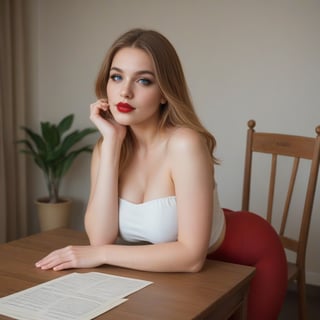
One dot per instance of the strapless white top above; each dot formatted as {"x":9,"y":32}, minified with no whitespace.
{"x":156,"y":221}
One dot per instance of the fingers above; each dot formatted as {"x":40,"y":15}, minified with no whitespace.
{"x":71,"y":257}
{"x":58,"y":260}
{"x":62,"y":266}
{"x":101,"y":116}
{"x":99,"y":108}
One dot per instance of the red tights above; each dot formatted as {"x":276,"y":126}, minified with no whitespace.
{"x":250,"y":240}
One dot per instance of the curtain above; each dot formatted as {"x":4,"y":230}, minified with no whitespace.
{"x":13,"y":202}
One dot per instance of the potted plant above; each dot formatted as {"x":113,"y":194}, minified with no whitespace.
{"x":53,"y":152}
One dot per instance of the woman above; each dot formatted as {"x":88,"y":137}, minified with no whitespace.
{"x":152,"y":179}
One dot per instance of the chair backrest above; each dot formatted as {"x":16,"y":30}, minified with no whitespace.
{"x":296,"y":147}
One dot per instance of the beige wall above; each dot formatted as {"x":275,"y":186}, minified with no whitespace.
{"x":243,"y":59}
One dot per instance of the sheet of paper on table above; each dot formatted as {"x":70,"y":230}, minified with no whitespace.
{"x":78,"y":296}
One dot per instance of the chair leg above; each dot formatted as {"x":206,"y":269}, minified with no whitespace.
{"x":301,"y":284}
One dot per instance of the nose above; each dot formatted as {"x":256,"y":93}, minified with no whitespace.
{"x":126,"y":90}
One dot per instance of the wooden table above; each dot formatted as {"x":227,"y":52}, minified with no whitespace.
{"x":216,"y":292}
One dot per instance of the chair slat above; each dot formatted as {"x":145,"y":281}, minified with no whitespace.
{"x":271,"y":187}
{"x":289,"y":195}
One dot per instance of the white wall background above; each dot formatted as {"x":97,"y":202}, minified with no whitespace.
{"x":243,"y":59}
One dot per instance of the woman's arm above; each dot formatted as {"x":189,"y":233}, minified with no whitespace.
{"x":193,"y":180}
{"x":101,"y":217}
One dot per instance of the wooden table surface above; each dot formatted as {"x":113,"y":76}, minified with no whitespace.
{"x":216,"y":292}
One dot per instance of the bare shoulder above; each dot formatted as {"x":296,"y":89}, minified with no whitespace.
{"x":190,"y":161}
{"x":186,"y":140}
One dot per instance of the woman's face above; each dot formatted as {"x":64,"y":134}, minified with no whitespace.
{"x":133,"y":93}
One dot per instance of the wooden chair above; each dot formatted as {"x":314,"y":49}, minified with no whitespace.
{"x":296,"y":147}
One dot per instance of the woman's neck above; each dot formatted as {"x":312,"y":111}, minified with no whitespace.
{"x":147,"y":139}
{"x":148,"y":135}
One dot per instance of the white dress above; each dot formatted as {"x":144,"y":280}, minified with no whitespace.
{"x":156,"y":221}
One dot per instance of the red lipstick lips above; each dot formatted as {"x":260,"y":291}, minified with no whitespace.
{"x":124,"y":107}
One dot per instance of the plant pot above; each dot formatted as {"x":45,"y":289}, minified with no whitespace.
{"x":53,"y":215}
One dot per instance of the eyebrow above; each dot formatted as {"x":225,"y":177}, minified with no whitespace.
{"x":138,"y":72}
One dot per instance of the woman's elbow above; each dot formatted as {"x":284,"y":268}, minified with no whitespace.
{"x":96,"y":239}
{"x":100,"y":237}
{"x":195,"y":265}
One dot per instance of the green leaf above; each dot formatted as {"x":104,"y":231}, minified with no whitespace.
{"x":65,"y":124}
{"x":27,"y":144}
{"x":36,"y":139}
{"x":74,"y":137}
{"x":50,"y":134}
{"x":41,"y":164}
{"x":71,"y":157}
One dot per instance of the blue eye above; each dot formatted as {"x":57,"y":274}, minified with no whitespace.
{"x":145,"y":81}
{"x":116,"y":77}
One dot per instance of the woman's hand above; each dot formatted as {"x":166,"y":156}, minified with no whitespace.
{"x":100,"y":115}
{"x":72,"y":257}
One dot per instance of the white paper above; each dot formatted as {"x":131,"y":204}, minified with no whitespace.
{"x":76,"y":296}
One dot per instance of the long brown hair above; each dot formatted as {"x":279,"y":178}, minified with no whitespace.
{"x":179,"y":110}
